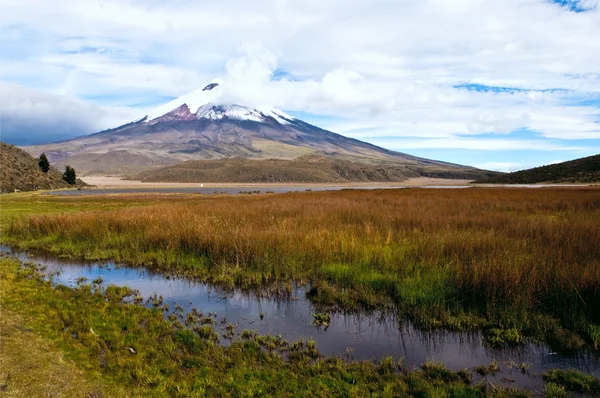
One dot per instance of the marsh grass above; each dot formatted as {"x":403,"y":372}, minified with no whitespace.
{"x":123,"y":349}
{"x":485,"y":370}
{"x":497,"y":337}
{"x":573,"y":380}
{"x":33,"y":366}
{"x":553,"y":390}
{"x":510,"y":259}
{"x":321,"y":319}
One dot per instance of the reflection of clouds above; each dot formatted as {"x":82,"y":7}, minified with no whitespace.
{"x":371,"y":336}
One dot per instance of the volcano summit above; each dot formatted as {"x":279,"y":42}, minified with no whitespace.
{"x":199,"y":126}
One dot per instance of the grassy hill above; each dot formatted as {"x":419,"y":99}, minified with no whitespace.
{"x":312,"y":168}
{"x":582,"y":170}
{"x":20,"y":171}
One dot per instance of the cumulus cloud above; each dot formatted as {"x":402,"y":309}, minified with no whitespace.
{"x":507,"y":167}
{"x":368,"y":106}
{"x":478,"y":144}
{"x":32,"y":117}
{"x":433,"y":71}
{"x":415,"y":109}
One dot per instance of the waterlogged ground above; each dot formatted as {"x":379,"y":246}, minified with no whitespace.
{"x":232,"y":190}
{"x":351,"y":336}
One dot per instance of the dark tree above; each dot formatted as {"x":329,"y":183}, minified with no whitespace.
{"x":69,"y":175}
{"x":44,"y":163}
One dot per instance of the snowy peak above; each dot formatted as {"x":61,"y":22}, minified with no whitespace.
{"x":209,"y":124}
{"x":236,"y":112}
{"x":193,"y":102}
{"x":204,"y":104}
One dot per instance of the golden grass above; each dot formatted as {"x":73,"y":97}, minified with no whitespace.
{"x":485,"y":249}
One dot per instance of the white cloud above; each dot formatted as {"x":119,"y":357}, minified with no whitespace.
{"x":381,"y":68}
{"x":507,"y":167}
{"x":28,"y":116}
{"x":478,"y":144}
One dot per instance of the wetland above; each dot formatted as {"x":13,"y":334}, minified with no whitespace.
{"x":418,"y":277}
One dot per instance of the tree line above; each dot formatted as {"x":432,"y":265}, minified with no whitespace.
{"x":69,"y":175}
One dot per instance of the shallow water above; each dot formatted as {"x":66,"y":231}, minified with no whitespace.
{"x":279,"y":189}
{"x":368,"y":336}
{"x":232,"y":190}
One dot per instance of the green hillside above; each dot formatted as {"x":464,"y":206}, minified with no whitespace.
{"x":584,"y":170}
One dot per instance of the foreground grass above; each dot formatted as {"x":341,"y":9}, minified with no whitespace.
{"x":34,"y":366}
{"x":513,"y":262}
{"x":115,"y":349}
{"x":573,"y":381}
{"x":32,"y":203}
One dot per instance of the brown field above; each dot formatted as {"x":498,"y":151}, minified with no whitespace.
{"x":510,"y":255}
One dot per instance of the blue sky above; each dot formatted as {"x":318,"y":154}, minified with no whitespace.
{"x":500,"y":85}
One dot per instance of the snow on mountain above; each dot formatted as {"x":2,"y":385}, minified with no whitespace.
{"x":204,"y":104}
{"x":205,"y":125}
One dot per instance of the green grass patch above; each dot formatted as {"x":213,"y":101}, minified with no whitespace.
{"x":135,"y":351}
{"x":573,"y":380}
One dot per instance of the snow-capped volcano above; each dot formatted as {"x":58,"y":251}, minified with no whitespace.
{"x":205,"y":104}
{"x":201,"y":125}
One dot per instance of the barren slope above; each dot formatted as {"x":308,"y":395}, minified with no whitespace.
{"x":19,"y":170}
{"x":313,"y":168}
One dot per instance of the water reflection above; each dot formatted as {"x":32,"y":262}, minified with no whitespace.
{"x":281,"y":189}
{"x":235,"y":190}
{"x":356,"y":336}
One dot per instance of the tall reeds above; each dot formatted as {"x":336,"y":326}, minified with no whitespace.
{"x":483,"y":249}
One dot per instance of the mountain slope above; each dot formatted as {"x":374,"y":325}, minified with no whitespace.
{"x":199,"y":126}
{"x":312,"y":168}
{"x":304,"y":169}
{"x":20,"y":171}
{"x":579,"y":170}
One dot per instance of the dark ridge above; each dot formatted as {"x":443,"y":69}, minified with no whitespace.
{"x":584,"y":170}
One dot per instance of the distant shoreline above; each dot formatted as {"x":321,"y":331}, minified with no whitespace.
{"x":117,"y":182}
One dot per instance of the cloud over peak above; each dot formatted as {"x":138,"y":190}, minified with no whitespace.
{"x":413,"y":69}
